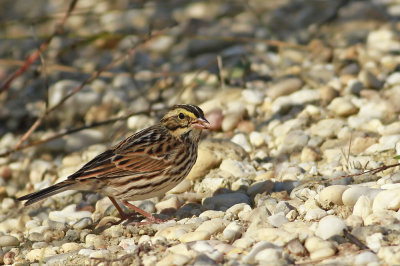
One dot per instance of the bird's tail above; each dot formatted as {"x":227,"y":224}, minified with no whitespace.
{"x":47,"y":192}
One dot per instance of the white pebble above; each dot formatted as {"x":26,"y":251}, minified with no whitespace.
{"x":38,"y":254}
{"x":277,"y":219}
{"x":365,"y":258}
{"x":8,"y":241}
{"x":351,"y":195}
{"x":315,"y":214}
{"x":319,"y":248}
{"x":329,"y":226}
{"x":256,"y":249}
{"x":257,"y":139}
{"x":194,"y":236}
{"x":68,"y":215}
{"x":332,"y":195}
{"x":212,"y":226}
{"x":242,"y":141}
{"x":68,"y":247}
{"x":269,"y":255}
{"x":387,"y":200}
{"x":363,"y":207}
{"x":174,"y":259}
{"x":100,"y":254}
{"x":232,"y":231}
{"x":374,"y":241}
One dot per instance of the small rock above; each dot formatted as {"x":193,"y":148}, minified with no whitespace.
{"x":138,"y":122}
{"x":390,"y":255}
{"x":277,"y":219}
{"x":203,"y":259}
{"x":315,"y":214}
{"x":393,"y":79}
{"x":332,"y":195}
{"x":262,"y":245}
{"x":100,"y":254}
{"x":194,"y":236}
{"x":354,"y":221}
{"x":244,"y":242}
{"x":236,"y":168}
{"x":284,"y":87}
{"x":382,"y":40}
{"x":169,"y":204}
{"x":212,"y":226}
{"x":83,"y":223}
{"x":8,"y":204}
{"x":253,"y":96}
{"x":294,"y":141}
{"x":38,"y":254}
{"x":319,"y":248}
{"x":211,"y":184}
{"x":174,"y":259}
{"x":365,"y":258}
{"x":351,"y":195}
{"x":207,"y":159}
{"x":385,"y":143}
{"x":283,"y":207}
{"x":257,"y":139}
{"x":183,"y":186}
{"x":128,"y":244}
{"x":277,"y":236}
{"x":327,"y":94}
{"x":260,"y":187}
{"x":329,"y":226}
{"x":383,"y":217}
{"x":231,"y":120}
{"x":68,"y":247}
{"x":269,"y":255}
{"x":369,"y":80}
{"x":387,"y":200}
{"x":308,"y":155}
{"x":8,"y":241}
{"x":96,"y":241}
{"x":242,"y":141}
{"x":212,"y":214}
{"x":69,"y":215}
{"x":174,"y":232}
{"x":232,"y":231}
{"x":295,"y":247}
{"x":363,"y":207}
{"x":327,"y":128}
{"x":342,"y":107}
{"x":225,"y":201}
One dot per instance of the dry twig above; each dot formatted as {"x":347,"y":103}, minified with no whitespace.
{"x":77,"y":89}
{"x":33,"y":57}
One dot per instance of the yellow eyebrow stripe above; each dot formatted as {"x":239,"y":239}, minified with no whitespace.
{"x":185,"y":112}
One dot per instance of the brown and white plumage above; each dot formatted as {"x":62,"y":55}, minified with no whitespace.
{"x":145,"y":165}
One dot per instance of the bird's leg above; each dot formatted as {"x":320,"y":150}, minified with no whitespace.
{"x":151,"y":218}
{"x":125,"y":216}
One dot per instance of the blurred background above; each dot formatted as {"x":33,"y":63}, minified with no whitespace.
{"x":107,"y":60}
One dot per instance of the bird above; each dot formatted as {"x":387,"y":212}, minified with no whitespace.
{"x":146,"y":164}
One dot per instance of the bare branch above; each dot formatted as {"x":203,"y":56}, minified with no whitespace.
{"x":33,"y":57}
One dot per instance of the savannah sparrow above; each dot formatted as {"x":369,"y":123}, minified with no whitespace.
{"x":145,"y":165}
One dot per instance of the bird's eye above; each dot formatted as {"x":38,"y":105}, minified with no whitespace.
{"x":181,"y":116}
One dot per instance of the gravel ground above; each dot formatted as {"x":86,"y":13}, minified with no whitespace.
{"x":290,"y":119}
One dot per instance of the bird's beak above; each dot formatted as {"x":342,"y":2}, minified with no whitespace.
{"x":201,"y":123}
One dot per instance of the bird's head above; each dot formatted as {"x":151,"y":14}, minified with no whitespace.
{"x":184,"y":118}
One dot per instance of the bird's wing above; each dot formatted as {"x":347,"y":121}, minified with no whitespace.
{"x":120,"y":165}
{"x":125,"y":159}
